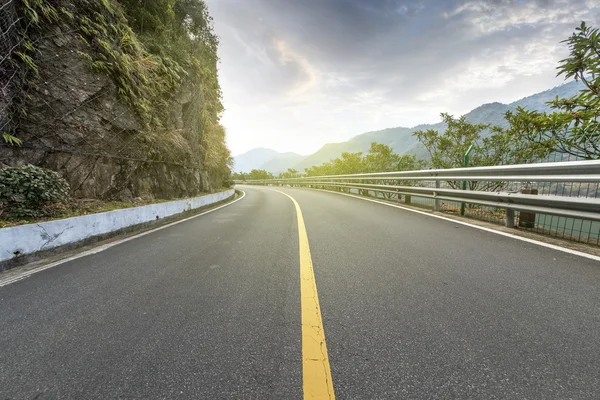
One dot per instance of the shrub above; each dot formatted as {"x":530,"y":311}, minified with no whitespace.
{"x":30,"y":191}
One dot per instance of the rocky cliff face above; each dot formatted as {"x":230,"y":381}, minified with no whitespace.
{"x":75,"y":120}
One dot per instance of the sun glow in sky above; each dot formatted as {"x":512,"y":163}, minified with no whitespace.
{"x":298,"y":74}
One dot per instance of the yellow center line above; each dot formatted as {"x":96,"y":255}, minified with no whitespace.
{"x":316,"y":373}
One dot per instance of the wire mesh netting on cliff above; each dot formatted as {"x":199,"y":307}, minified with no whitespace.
{"x":54,"y":86}
{"x":9,"y":42}
{"x":70,"y":118}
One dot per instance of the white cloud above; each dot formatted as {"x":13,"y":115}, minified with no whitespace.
{"x":311,"y":74}
{"x":489,"y":17}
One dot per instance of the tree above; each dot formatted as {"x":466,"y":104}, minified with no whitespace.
{"x":290,"y":173}
{"x":350,"y":163}
{"x":239,"y":176}
{"x":574,"y":126}
{"x":505,"y":146}
{"x":447,"y":150}
{"x":259,"y":174}
{"x":254,"y":174}
{"x":320,"y":170}
{"x":410,"y":162}
{"x":501,"y":147}
{"x":381,"y":158}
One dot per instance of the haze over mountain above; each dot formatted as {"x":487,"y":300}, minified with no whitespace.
{"x":401,"y":139}
{"x":262,"y":158}
{"x":281,"y":162}
{"x":253,"y":159}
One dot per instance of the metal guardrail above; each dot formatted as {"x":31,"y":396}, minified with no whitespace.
{"x":447,"y":183}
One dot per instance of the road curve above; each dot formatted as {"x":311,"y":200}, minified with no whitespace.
{"x":412,"y":307}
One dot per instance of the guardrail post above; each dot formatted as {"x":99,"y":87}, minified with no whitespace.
{"x":437,"y":201}
{"x":527,"y":219}
{"x":464,"y":184}
{"x":510,"y":218}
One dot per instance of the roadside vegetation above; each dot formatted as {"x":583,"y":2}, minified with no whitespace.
{"x":149,"y":49}
{"x":158,"y":54}
{"x":32,"y":194}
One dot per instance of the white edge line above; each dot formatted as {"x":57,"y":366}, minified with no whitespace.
{"x":27,"y":274}
{"x":510,"y":235}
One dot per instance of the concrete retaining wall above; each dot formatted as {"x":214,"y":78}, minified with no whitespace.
{"x":31,"y":238}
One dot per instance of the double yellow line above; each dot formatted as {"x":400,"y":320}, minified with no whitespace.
{"x":316,"y":372}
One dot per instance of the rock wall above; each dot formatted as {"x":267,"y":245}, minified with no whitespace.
{"x":74,"y":120}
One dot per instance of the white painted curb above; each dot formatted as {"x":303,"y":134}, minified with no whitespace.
{"x":30,"y":238}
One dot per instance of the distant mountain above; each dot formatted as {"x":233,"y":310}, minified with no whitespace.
{"x":253,"y":159}
{"x":326,"y":153}
{"x":538,"y":100}
{"x":267,"y":159}
{"x":401,"y":139}
{"x":281,"y":162}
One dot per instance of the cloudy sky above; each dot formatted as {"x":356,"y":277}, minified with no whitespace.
{"x":297,"y":74}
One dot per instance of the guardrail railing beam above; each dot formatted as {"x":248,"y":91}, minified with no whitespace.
{"x":567,"y":172}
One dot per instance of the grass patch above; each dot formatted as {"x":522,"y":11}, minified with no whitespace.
{"x":79,"y":207}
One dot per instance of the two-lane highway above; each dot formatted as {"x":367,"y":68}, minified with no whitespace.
{"x":412,"y":307}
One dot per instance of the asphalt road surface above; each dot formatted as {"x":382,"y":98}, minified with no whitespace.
{"x":413,"y":307}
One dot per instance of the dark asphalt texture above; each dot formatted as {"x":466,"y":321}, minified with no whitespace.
{"x":413,"y":307}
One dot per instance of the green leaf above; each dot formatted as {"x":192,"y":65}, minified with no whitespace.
{"x":12,"y":140}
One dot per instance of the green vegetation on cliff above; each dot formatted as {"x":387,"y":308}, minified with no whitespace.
{"x":161,"y":57}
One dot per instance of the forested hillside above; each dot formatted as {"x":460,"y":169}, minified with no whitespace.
{"x":402,"y":141}
{"x":120,"y":97}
